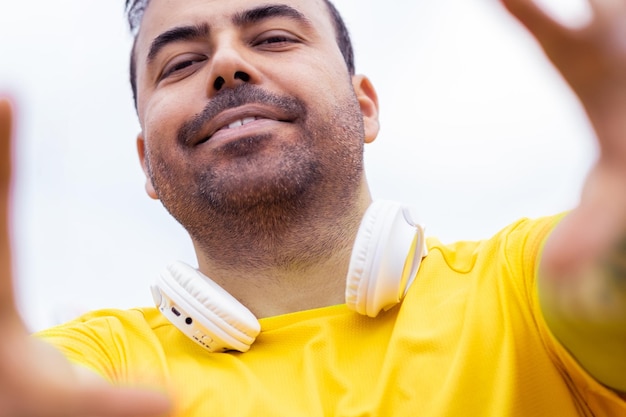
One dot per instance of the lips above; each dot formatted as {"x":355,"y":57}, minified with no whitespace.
{"x":236,"y":118}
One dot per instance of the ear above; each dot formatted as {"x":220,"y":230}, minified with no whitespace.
{"x":141,"y":151}
{"x":368,"y":100}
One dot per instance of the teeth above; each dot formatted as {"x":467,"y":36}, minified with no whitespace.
{"x":241,"y":122}
{"x":235,"y":124}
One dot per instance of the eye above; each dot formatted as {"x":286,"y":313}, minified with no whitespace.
{"x":181,"y":65}
{"x":275,"y":39}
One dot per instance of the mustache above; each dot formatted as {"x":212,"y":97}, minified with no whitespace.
{"x":243,"y":94}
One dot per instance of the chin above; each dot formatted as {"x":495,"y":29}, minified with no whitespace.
{"x":249,"y":189}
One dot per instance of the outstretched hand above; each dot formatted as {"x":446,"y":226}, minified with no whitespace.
{"x":592,"y":60}
{"x":35,"y":379}
{"x":582,"y":275}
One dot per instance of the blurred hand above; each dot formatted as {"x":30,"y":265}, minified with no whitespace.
{"x":592,"y":59}
{"x":35,"y":379}
{"x":582,"y":276}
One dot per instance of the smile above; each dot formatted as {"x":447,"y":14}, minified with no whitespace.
{"x":240,"y":128}
{"x":227,"y":125}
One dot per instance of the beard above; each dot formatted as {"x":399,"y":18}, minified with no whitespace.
{"x":246,"y":197}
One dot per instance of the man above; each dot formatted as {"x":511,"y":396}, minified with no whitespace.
{"x":253,"y":124}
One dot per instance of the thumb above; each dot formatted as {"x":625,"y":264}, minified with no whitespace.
{"x":6,"y":285}
{"x":5,"y":142}
{"x":109,"y":401}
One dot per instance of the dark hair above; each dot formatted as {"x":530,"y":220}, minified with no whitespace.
{"x":136,"y":8}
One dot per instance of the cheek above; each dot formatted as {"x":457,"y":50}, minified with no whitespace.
{"x":167,"y":107}
{"x":312,"y":77}
{"x":162,"y":118}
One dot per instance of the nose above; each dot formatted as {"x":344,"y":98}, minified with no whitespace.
{"x":230,"y":67}
{"x":239,"y":75}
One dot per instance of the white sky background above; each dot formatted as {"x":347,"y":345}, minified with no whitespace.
{"x":477,"y":131}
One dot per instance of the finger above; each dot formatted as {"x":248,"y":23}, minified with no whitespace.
{"x":98,"y":401}
{"x":118,"y":402}
{"x":537,"y":21}
{"x":6,"y":286}
{"x":5,"y":142}
{"x":608,"y":9}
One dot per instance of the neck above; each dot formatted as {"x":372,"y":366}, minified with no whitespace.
{"x":302,"y":264}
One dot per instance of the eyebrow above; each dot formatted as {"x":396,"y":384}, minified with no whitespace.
{"x":244,"y":18}
{"x":177,"y":34}
{"x":269,"y":11}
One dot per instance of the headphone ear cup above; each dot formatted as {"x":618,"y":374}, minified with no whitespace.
{"x":386,"y":255}
{"x":206,"y":312}
{"x":363,"y":253}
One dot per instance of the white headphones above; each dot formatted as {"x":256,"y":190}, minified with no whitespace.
{"x":387,"y":252}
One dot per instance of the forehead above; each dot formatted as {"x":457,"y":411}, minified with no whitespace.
{"x":163,"y":15}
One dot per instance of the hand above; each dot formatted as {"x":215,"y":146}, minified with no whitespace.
{"x":35,"y":379}
{"x":582,"y":276}
{"x":592,"y":59}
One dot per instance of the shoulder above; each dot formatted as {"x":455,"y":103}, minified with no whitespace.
{"x":133,"y":319}
{"x":114,"y":343}
{"x":522,"y":240}
{"x":522,"y":229}
{"x":107,"y":330}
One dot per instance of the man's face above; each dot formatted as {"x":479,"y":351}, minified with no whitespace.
{"x":244,"y":104}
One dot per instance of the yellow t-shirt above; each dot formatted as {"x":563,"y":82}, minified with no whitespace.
{"x":468,"y":340}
